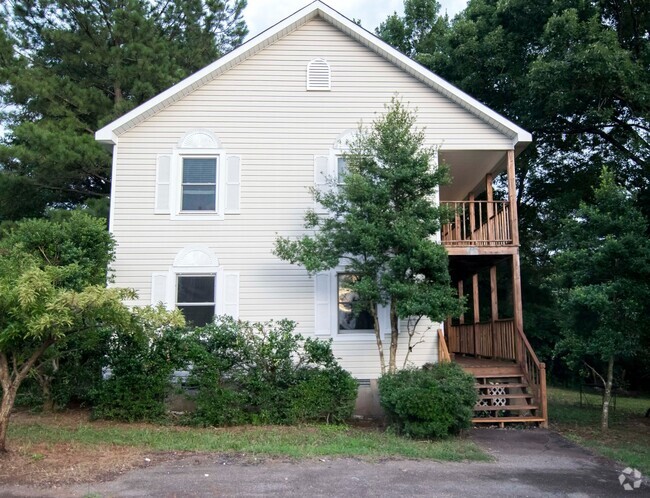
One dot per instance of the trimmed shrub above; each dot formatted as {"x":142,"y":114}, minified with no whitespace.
{"x":140,"y":363}
{"x":264,"y":373}
{"x":432,"y":402}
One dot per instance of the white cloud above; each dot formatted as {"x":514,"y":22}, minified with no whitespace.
{"x":262,"y":14}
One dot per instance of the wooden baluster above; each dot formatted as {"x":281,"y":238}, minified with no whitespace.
{"x":472,"y":219}
{"x":490,"y":206}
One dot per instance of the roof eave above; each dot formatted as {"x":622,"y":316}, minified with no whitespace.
{"x":109,"y":133}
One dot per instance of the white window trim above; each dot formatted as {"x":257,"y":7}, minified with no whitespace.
{"x":177,"y":184}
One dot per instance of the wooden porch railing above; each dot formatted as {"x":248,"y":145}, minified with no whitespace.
{"x":501,"y":340}
{"x":478,"y":223}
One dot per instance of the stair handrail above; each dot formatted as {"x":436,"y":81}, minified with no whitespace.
{"x":538,"y":378}
{"x":443,"y":350}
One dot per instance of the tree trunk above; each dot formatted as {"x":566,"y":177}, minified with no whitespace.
{"x":380,"y":344}
{"x":7,"y":404}
{"x":607,"y":397}
{"x":394,"y":335}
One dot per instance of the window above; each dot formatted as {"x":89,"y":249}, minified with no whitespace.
{"x":341,"y":170}
{"x":199,"y":185}
{"x":349,"y":319}
{"x":195,"y":297}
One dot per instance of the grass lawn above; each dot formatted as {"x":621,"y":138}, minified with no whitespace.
{"x":37,"y":441}
{"x":628,"y":439}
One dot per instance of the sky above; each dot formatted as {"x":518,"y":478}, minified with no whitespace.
{"x":262,"y":14}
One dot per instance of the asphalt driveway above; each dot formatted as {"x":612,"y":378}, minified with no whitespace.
{"x":528,"y":463}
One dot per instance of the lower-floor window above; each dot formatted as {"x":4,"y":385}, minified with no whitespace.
{"x":195,"y":297}
{"x":351,"y":319}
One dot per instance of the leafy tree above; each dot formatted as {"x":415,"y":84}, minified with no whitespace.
{"x":575,"y":74}
{"x":602,"y":283}
{"x":381,"y":225}
{"x":52,"y":288}
{"x":69,"y":67}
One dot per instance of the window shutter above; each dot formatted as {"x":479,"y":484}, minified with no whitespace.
{"x":233,"y":183}
{"x":323,"y":310}
{"x":159,"y":289}
{"x":163,"y":177}
{"x":231,"y":294}
{"x":383,"y":316}
{"x":321,"y":174}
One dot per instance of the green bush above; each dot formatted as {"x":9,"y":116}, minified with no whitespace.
{"x":264,"y":373}
{"x":140,"y":363}
{"x":432,"y":402}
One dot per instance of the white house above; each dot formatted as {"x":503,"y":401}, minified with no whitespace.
{"x":209,"y":172}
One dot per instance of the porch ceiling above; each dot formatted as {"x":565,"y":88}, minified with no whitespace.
{"x":462,"y":267}
{"x":468,"y":169}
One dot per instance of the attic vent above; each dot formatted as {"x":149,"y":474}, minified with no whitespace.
{"x":318,"y":75}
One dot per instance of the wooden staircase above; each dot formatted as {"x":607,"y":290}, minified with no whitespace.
{"x":504,"y":396}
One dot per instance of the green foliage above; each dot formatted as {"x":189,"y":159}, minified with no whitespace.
{"x":264,"y":373}
{"x":381,"y":222}
{"x":68,"y":68}
{"x":602,"y":278}
{"x":575,"y":74}
{"x":432,"y":402}
{"x":46,"y":298}
{"x":140,"y":360}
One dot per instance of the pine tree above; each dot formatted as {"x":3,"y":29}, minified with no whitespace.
{"x":68,"y":68}
{"x":381,"y":225}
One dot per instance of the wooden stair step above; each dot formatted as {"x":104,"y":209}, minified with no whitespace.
{"x":505,"y":408}
{"x":507,"y":396}
{"x":518,"y":375}
{"x":489,"y":386}
{"x":488,"y":420}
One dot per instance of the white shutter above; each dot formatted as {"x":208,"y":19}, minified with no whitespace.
{"x":159,"y":288}
{"x":163,"y":184}
{"x":231,"y":294}
{"x":233,"y":183}
{"x":322,"y":309}
{"x":321,"y":174}
{"x":383,"y":316}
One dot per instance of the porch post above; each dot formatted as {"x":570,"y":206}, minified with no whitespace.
{"x":512,"y":198}
{"x":494,"y":308}
{"x":461,"y":318}
{"x":477,"y":313}
{"x":517,"y":306}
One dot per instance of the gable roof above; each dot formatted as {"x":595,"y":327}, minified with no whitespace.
{"x":109,"y":133}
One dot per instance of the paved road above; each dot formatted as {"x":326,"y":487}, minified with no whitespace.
{"x":528,"y":463}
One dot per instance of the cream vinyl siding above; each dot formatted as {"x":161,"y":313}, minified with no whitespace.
{"x":261,"y":112}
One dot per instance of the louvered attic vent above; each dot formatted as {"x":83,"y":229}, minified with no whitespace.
{"x":319,"y":75}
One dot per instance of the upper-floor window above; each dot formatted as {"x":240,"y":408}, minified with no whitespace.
{"x":199,"y":184}
{"x":197,"y":179}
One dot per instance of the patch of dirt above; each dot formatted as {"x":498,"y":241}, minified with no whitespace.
{"x":43,"y":464}
{"x":49,"y":464}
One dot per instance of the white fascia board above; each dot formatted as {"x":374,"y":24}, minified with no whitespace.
{"x":109,"y":132}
